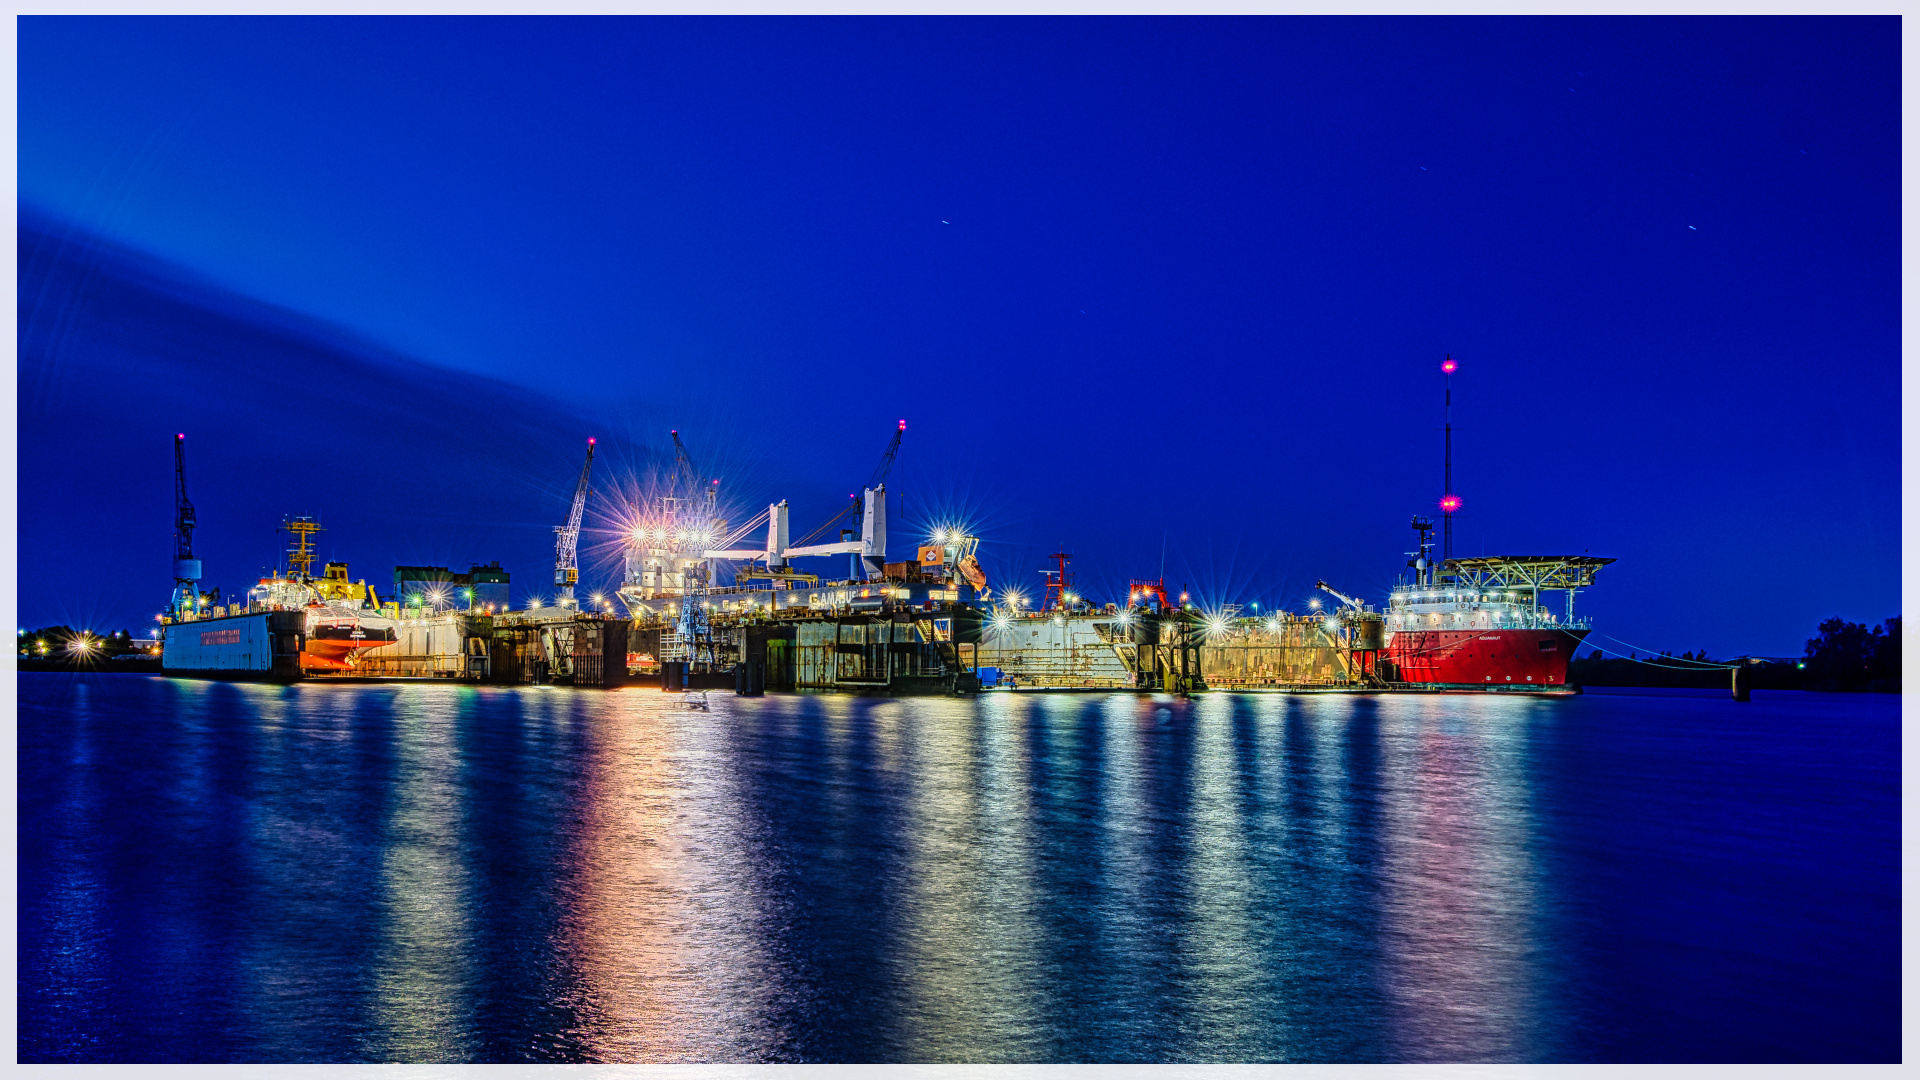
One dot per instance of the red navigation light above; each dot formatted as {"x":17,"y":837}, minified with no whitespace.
{"x":1449,"y":366}
{"x":1450,"y":503}
{"x":589,"y":440}
{"x":180,"y":436}
{"x":903,"y":425}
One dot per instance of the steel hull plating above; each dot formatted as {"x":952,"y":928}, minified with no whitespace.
{"x":265,"y":645}
{"x":1484,"y":658}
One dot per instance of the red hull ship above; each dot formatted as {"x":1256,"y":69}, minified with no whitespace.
{"x":1480,"y":622}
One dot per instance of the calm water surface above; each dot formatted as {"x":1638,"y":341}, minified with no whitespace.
{"x":225,"y":872}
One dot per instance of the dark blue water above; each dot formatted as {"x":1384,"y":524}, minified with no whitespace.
{"x":221,"y":872}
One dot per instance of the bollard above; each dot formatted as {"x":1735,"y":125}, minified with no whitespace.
{"x":1741,"y":690}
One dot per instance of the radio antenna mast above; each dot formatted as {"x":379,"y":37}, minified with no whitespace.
{"x":1449,"y":502}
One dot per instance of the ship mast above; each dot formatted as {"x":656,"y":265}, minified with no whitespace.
{"x":300,"y":557}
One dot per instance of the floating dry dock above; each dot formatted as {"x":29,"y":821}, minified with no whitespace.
{"x":563,"y":647}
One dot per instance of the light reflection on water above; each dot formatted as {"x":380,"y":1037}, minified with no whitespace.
{"x":1457,"y":888}
{"x":440,"y":873}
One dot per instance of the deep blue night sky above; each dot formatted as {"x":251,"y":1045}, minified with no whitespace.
{"x":1136,"y":285}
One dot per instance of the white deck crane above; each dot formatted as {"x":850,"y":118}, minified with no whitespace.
{"x":1343,"y":597}
{"x":566,"y":565}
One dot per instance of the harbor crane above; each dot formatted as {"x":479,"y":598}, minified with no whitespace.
{"x":1342,"y":597}
{"x":186,"y":568}
{"x":566,"y":564}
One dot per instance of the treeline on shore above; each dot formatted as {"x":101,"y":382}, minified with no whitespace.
{"x":1845,"y":657}
{"x":62,"y":648}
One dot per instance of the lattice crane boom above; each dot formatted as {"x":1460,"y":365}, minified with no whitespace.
{"x":886,"y":460}
{"x":566,"y":565}
{"x":879,"y":474}
{"x":683,"y":464}
{"x":183,"y":522}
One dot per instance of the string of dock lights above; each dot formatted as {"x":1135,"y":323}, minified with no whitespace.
{"x":698,"y":537}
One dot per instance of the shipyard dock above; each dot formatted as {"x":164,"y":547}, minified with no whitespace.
{"x":705,"y":602}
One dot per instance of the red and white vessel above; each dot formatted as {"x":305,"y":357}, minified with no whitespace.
{"x":1481,"y":622}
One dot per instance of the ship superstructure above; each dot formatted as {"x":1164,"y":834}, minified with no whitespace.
{"x":1482,"y":622}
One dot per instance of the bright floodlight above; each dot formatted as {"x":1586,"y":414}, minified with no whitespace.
{"x":1314,"y":603}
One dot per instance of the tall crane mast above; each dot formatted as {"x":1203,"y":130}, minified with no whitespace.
{"x":186,"y":568}
{"x":566,"y":566}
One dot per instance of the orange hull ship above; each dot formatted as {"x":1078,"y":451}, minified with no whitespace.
{"x":333,"y":642}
